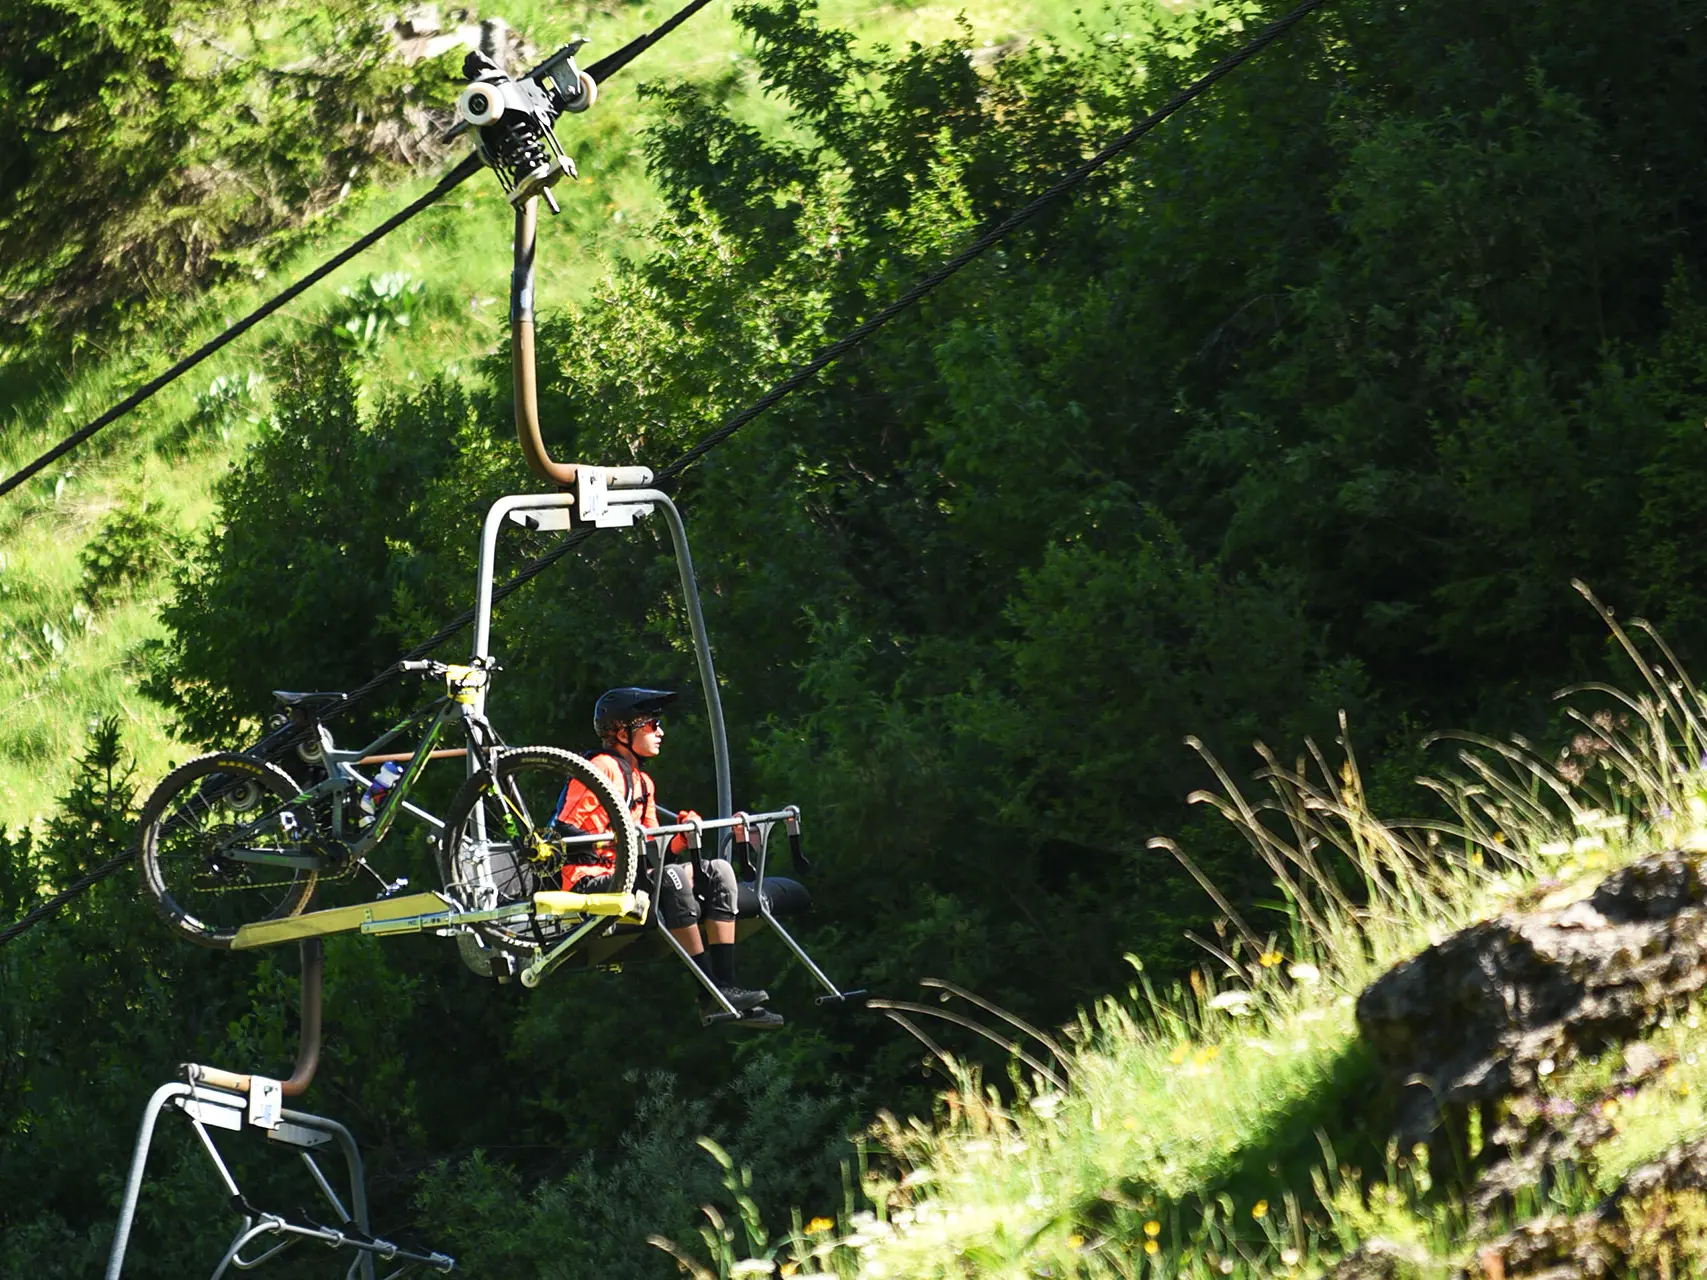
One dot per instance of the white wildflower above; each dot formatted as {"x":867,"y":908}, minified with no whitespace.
{"x":1305,"y":974}
{"x":752,"y":1267}
{"x":1045,"y":1104}
{"x":1235,"y":1004}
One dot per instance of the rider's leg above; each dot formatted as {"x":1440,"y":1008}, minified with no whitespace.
{"x":720,"y":890}
{"x":718,"y":885}
{"x":681,"y":909}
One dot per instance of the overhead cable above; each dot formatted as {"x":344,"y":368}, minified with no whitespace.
{"x":43,"y":910}
{"x":836,"y":350}
{"x":460,"y":173}
{"x":794,"y":382}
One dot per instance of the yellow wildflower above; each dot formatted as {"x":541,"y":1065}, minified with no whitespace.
{"x":1207,"y":1054}
{"x":818,"y":1225}
{"x":1259,"y":1209}
{"x":1180,"y":1050}
{"x":1075,"y":1241}
{"x":789,"y":1268}
{"x":1269,"y":959}
{"x":1152,"y":1228}
{"x":1150,"y":1246}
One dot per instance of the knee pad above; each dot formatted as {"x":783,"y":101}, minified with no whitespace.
{"x":720,"y":890}
{"x":677,"y":903}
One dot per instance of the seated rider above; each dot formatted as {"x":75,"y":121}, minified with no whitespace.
{"x":630,"y":727}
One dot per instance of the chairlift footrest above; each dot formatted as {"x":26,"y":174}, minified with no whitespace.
{"x":855,"y":999}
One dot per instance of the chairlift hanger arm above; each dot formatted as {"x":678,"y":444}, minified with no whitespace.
{"x":514,"y":121}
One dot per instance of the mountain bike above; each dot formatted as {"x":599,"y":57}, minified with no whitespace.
{"x":229,"y":842}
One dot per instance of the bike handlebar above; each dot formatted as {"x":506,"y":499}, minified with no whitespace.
{"x":427,"y":667}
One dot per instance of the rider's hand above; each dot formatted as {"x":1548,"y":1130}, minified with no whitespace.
{"x":679,"y":842}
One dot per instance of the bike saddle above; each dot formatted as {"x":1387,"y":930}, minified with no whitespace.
{"x":289,"y":699}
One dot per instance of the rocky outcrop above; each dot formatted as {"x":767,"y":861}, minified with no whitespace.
{"x":1550,"y":1248}
{"x":426,"y":31}
{"x":1637,"y":1222}
{"x":1380,"y":1260}
{"x":1494,"y":1009}
{"x":1477,"y":1023}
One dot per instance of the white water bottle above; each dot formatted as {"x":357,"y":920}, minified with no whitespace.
{"x":380,"y":787}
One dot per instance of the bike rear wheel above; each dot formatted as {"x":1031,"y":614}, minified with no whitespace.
{"x":499,"y":846}
{"x":203,"y":831}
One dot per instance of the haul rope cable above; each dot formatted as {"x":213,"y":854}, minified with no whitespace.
{"x":843,"y":345}
{"x":600,"y":70}
{"x":803,"y":375}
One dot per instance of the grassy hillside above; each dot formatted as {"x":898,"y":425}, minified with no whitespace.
{"x":72,"y":647}
{"x":1241,"y":1124}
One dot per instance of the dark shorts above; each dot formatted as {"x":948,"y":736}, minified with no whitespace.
{"x":678,"y":900}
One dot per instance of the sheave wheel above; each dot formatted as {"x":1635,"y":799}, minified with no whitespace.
{"x":498,"y":844}
{"x":204,"y":833}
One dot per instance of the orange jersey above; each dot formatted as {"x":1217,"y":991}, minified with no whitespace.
{"x":581,"y":809}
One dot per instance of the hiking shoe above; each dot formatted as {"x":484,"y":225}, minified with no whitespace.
{"x":760,"y":1019}
{"x":710,"y":1011}
{"x":744,"y":999}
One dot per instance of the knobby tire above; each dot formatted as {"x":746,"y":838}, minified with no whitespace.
{"x":195,"y":813}
{"x":523,"y":789}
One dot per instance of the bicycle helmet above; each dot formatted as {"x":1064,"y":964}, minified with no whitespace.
{"x":618,"y":708}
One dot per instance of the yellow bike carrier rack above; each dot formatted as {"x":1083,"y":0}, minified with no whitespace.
{"x":557,"y":902}
{"x":315,"y":924}
{"x":423,"y":912}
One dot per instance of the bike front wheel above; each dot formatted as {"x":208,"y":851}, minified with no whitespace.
{"x":225,"y":842}
{"x":499,"y":846}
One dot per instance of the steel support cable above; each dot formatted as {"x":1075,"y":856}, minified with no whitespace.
{"x":1000,"y":231}
{"x":805,"y":374}
{"x":77,"y":886}
{"x":601,"y":70}
{"x":455,"y":177}
{"x":843,"y":345}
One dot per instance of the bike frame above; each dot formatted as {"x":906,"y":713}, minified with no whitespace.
{"x":343,"y":781}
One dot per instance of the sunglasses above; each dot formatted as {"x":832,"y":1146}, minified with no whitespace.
{"x":640,"y":726}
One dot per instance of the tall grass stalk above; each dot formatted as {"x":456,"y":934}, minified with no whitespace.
{"x":1183,"y":1131}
